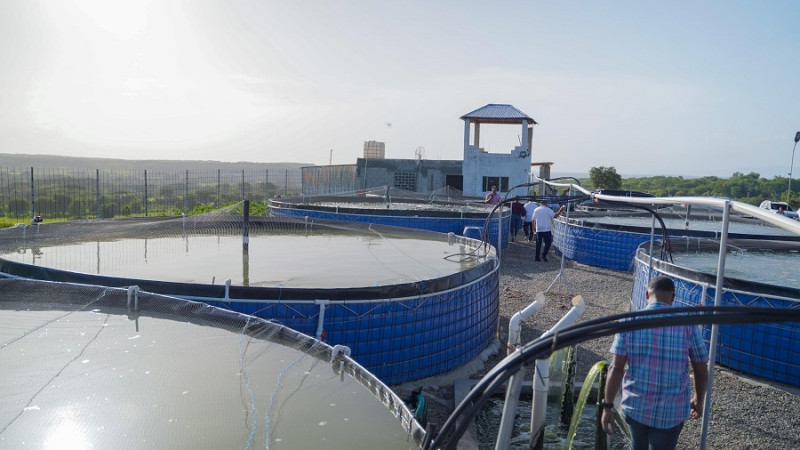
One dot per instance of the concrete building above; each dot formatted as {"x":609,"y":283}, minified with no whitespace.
{"x":474,"y":175}
{"x":481,"y":170}
{"x":417,"y":175}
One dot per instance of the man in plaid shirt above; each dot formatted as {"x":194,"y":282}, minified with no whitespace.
{"x":656,"y":395}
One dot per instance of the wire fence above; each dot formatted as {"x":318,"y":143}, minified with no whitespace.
{"x":59,"y":193}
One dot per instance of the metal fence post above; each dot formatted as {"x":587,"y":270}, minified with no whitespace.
{"x":286,"y":183}
{"x":97,"y":191}
{"x":219,"y":200}
{"x":186,"y":193}
{"x":243,"y":193}
{"x":33,"y":198}
{"x":145,"y":193}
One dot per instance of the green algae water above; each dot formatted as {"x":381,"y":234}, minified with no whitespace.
{"x":583,"y":414}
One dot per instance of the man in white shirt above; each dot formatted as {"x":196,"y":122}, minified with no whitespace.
{"x":527,"y":224}
{"x":542,"y":222}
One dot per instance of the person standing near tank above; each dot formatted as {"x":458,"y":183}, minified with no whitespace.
{"x":493,"y":198}
{"x":542,"y":218}
{"x":517,"y":216}
{"x":527,"y":224}
{"x":656,"y":393}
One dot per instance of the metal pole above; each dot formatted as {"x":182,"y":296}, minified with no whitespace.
{"x":246,"y":226}
{"x":366,"y":160}
{"x":219,"y":200}
{"x":145,"y":193}
{"x":499,"y":229}
{"x":97,"y":191}
{"x":33,"y":199}
{"x":791,"y":166}
{"x":712,"y":353}
{"x":652,"y":241}
{"x":561,"y":272}
{"x":186,"y":193}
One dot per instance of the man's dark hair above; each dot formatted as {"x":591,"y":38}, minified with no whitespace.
{"x":661,"y":284}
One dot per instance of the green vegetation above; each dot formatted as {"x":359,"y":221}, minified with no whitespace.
{"x":605,"y":178}
{"x":750,"y":188}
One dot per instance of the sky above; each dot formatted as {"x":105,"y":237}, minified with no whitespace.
{"x":650,"y":88}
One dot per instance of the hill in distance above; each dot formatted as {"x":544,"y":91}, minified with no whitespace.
{"x":72,"y":162}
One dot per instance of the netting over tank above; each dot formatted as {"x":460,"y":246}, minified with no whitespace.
{"x":444,"y":210}
{"x":95,"y":367}
{"x":410,"y":303}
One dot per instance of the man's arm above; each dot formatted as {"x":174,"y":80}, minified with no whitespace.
{"x":613,"y":383}
{"x":700,"y":370}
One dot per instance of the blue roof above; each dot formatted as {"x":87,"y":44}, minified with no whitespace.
{"x":495,"y":113}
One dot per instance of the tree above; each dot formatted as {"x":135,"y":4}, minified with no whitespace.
{"x":605,"y":178}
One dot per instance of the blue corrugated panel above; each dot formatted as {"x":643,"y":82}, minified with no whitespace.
{"x":767,"y":350}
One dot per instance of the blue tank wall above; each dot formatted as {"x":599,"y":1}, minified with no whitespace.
{"x":597,"y":247}
{"x":769,"y":350}
{"x":439,"y":224}
{"x":400,"y":340}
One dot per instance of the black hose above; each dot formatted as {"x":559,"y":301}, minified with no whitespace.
{"x":664,"y":233}
{"x":465,"y":412}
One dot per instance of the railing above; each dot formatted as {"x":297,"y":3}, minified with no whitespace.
{"x":62,"y":193}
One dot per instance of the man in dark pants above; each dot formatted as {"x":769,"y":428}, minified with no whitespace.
{"x":542,"y":222}
{"x":656,"y":394}
{"x":527,"y":221}
{"x":517,"y":216}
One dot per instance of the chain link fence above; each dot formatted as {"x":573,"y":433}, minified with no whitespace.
{"x":54,"y":193}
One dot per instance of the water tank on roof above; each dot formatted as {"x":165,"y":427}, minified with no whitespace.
{"x":374,"y":150}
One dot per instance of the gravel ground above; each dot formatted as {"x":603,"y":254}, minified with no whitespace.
{"x":746,"y":413}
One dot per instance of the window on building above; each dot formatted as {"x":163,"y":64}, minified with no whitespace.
{"x":500,"y":182}
{"x":406,"y":181}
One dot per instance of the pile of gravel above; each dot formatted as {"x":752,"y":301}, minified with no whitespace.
{"x":745,"y":413}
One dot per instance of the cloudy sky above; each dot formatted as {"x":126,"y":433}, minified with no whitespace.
{"x":679,"y":88}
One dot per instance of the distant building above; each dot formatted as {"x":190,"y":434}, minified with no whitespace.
{"x":474,"y":175}
{"x":417,"y":175}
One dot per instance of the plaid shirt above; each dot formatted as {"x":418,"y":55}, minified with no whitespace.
{"x":655,"y":389}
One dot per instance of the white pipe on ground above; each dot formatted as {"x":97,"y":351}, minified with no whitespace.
{"x":515,"y":324}
{"x":541,"y":377}
{"x":515,"y":382}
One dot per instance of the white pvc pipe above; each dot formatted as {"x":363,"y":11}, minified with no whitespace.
{"x":743,"y":208}
{"x":515,"y":382}
{"x":541,"y":378}
{"x":321,"y":322}
{"x":515,"y":324}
